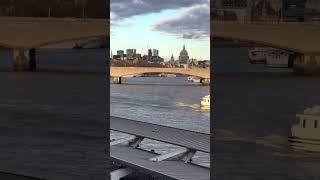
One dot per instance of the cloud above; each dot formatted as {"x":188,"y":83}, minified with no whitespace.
{"x":193,"y":23}
{"x":126,"y":8}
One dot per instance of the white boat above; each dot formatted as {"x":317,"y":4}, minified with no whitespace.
{"x":305,"y":133}
{"x":278,"y":58}
{"x":258,"y":55}
{"x":205,"y":102}
{"x":193,"y":80}
{"x":171,"y":75}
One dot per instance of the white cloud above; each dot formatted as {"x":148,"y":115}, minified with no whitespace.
{"x":193,"y":23}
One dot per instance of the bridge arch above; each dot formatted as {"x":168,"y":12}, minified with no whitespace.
{"x":259,"y":43}
{"x":31,"y":33}
{"x":203,"y":73}
{"x":74,"y":39}
{"x":43,"y":44}
{"x":301,"y":38}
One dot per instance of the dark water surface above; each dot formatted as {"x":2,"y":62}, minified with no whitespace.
{"x":52,"y":124}
{"x":255,"y":108}
{"x":168,"y":101}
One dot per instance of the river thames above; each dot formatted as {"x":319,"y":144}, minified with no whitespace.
{"x":168,"y":101}
{"x":255,"y":108}
{"x":53,"y":122}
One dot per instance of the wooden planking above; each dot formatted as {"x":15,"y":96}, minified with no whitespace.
{"x":139,"y":159}
{"x":179,"y":137}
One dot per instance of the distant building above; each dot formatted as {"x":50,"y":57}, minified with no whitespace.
{"x":131,"y":53}
{"x":137,"y":56}
{"x":155,"y":52}
{"x":312,"y":10}
{"x":193,"y":63}
{"x":233,"y":9}
{"x":156,"y":59}
{"x":171,"y":60}
{"x":204,"y":64}
{"x":120,"y":52}
{"x":117,"y":57}
{"x":255,"y":10}
{"x":53,"y":8}
{"x":149,"y":54}
{"x":184,"y":57}
{"x":294,"y":10}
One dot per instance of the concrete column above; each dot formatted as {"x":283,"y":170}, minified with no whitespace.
{"x":205,"y":81}
{"x":117,"y":80}
{"x":24,"y":59}
{"x":306,"y":64}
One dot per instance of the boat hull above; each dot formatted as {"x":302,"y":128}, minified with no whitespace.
{"x":205,"y":107}
{"x":261,"y":61}
{"x":304,"y":144}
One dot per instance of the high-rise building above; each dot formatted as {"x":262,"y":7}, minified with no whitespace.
{"x":120,"y":52}
{"x":149,"y":54}
{"x":131,"y":53}
{"x":155,"y":52}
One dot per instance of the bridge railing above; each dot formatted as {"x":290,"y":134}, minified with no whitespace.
{"x":13,"y":20}
{"x":218,"y":16}
{"x":131,"y":155}
{"x":308,"y":23}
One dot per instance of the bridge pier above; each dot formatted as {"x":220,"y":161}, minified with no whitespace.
{"x":307,"y":64}
{"x":24,"y":59}
{"x":117,"y":80}
{"x":205,"y":81}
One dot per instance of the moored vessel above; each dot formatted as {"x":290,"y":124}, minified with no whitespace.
{"x":278,"y":58}
{"x":257,"y":55}
{"x":205,"y":103}
{"x":305,"y":133}
{"x":193,"y":80}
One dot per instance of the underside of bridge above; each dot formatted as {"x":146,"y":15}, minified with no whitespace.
{"x":303,"y":63}
{"x":118,"y":80}
{"x":307,"y":64}
{"x":300,"y":38}
{"x":24,"y":59}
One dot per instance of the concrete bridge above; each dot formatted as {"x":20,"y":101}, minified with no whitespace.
{"x":118,"y":72}
{"x":24,"y":35}
{"x":301,"y":38}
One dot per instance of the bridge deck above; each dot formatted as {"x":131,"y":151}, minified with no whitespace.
{"x":139,"y":159}
{"x":10,"y":176}
{"x":189,"y":139}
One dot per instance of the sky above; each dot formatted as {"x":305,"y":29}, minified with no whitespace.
{"x":165,"y":25}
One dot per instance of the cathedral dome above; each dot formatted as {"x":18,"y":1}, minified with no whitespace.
{"x":184,"y":52}
{"x":184,"y":57}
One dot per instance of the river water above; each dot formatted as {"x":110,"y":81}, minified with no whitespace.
{"x":52,"y":122}
{"x":56,"y":114}
{"x":169,"y":101}
{"x":255,"y":108}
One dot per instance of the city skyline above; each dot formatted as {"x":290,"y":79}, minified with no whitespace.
{"x":165,"y":26}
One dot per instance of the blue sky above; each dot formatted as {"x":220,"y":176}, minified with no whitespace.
{"x":166,"y":28}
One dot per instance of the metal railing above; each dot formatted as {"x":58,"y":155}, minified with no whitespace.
{"x":267,"y":22}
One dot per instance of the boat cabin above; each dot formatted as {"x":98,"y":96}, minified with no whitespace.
{"x":308,"y":121}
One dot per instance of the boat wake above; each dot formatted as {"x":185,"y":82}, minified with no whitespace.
{"x":272,"y":141}
{"x":192,"y":106}
{"x":279,"y":144}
